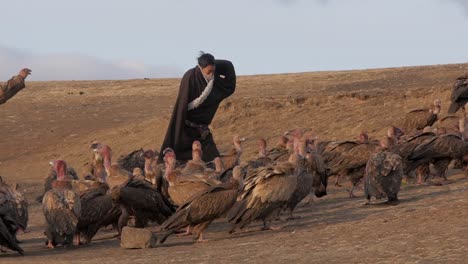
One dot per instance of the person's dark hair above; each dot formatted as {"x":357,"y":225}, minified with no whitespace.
{"x":205,"y":59}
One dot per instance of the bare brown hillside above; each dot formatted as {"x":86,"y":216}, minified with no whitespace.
{"x":49,"y":120}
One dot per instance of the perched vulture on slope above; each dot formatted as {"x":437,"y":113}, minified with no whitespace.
{"x":418,"y":119}
{"x":69,"y":175}
{"x":94,"y":170}
{"x":204,"y":207}
{"x":97,"y":211}
{"x":266,"y":191}
{"x":115,"y":174}
{"x":181,"y":186}
{"x":441,"y":150}
{"x":232,"y":158}
{"x":384,"y":173}
{"x":62,"y":208}
{"x":405,"y":148}
{"x":353,"y":161}
{"x":13,"y":215}
{"x":331,"y":152}
{"x":136,"y":159}
{"x":141,"y":199}
{"x":262,"y":158}
{"x":459,"y":96}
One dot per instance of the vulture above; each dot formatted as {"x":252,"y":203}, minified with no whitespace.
{"x":308,"y":177}
{"x":141,"y":199}
{"x":405,"y":148}
{"x":384,"y":173}
{"x":70,"y":175}
{"x":97,"y":211}
{"x":459,"y":96}
{"x":353,"y":161}
{"x":266,"y":191}
{"x":115,"y":174}
{"x":13,"y":216}
{"x":205,"y":206}
{"x":62,"y":208}
{"x":418,"y":119}
{"x":8,"y":228}
{"x":440,"y":150}
{"x":450,"y":123}
{"x":282,"y":150}
{"x":94,"y":170}
{"x":262,"y":158}
{"x":151,"y":169}
{"x":136,"y":159}
{"x":331,"y":152}
{"x":16,"y":199}
{"x":232,"y":158}
{"x":181,"y":186}
{"x":198,"y":167}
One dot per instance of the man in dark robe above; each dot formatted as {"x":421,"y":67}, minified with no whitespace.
{"x":13,"y":86}
{"x":201,"y":91}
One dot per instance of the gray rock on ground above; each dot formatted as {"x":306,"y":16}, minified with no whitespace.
{"x":134,"y":238}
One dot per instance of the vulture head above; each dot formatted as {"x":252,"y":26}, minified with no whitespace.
{"x":437,"y":106}
{"x":238,"y":142}
{"x":60,"y":168}
{"x":218,"y":162}
{"x":196,"y":145}
{"x":197,"y":155}
{"x":169,"y":159}
{"x":283,"y":141}
{"x":149,"y":154}
{"x":363,"y":137}
{"x":296,"y":133}
{"x":106,"y":153}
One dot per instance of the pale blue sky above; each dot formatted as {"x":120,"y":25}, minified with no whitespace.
{"x":116,"y":39}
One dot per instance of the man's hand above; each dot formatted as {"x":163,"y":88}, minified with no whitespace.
{"x":24,"y":73}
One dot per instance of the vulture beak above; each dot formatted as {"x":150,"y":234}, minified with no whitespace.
{"x":51,"y":163}
{"x":242,"y":139}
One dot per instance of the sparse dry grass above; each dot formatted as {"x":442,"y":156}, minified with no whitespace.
{"x":59,"y":119}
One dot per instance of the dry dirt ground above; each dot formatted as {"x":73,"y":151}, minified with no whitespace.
{"x":51,"y":120}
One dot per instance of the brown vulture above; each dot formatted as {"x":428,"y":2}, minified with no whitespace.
{"x":13,"y":216}
{"x":418,"y":119}
{"x":62,"y":208}
{"x":440,"y":150}
{"x":205,"y":206}
{"x":141,"y":199}
{"x":97,"y":211}
{"x":384,"y":173}
{"x":266,"y":191}
{"x":459,"y":96}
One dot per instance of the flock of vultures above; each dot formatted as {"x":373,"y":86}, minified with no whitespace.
{"x":188,"y":196}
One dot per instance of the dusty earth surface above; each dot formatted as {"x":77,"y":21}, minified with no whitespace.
{"x":51,"y":120}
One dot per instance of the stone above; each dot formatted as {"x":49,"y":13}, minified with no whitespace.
{"x":134,"y":238}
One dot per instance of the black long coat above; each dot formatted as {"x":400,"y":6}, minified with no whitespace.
{"x":179,"y":135}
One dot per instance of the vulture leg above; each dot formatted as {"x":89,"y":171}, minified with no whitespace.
{"x":199,"y":229}
{"x":78,"y":239}
{"x":337,"y":181}
{"x":291,"y":215}
{"x":50,"y":244}
{"x":422,"y":172}
{"x":267,"y":226}
{"x":188,"y":232}
{"x":351,"y":192}
{"x":123,"y":219}
{"x":441,"y":167}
